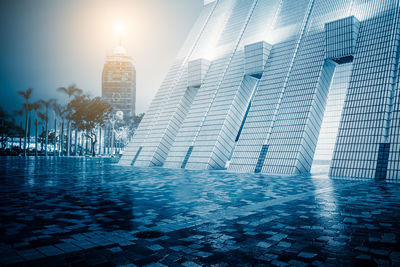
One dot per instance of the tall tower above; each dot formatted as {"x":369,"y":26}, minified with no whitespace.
{"x":119,"y":82}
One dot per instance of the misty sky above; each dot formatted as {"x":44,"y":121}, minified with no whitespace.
{"x":46,"y":44}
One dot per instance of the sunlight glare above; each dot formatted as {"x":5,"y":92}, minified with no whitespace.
{"x":119,"y":27}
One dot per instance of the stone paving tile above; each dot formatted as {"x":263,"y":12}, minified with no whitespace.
{"x":67,"y":247}
{"x":30,"y":254}
{"x":79,"y":212}
{"x":50,"y":250}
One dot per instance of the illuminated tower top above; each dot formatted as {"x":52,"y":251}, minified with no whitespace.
{"x":120,"y":50}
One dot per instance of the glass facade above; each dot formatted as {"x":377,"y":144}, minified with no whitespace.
{"x":333,"y":111}
{"x":279,"y":86}
{"x":119,"y":82}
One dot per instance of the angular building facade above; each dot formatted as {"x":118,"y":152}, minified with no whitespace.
{"x":119,"y":82}
{"x":280,"y":86}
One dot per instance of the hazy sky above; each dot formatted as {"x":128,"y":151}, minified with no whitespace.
{"x":46,"y":44}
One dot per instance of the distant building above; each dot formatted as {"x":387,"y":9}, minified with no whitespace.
{"x":119,"y":83}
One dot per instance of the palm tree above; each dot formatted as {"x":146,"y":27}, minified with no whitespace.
{"x":42,"y":116}
{"x":71,"y":90}
{"x":76,"y":142}
{"x":35,"y":106}
{"x":30,"y":108}
{"x":29,"y":130}
{"x":26,"y":95}
{"x":45,"y":116}
{"x":55,"y":128}
{"x":60,"y":112}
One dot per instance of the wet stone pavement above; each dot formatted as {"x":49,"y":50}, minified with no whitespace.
{"x":89,"y":212}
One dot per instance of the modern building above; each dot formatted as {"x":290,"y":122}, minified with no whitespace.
{"x":119,"y":83}
{"x":281,"y":86}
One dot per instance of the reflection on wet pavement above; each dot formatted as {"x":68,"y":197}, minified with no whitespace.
{"x":76,"y":211}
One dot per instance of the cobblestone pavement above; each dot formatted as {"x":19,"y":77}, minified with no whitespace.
{"x":74,"y":212}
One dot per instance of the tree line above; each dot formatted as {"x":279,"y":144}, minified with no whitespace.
{"x":83,"y":118}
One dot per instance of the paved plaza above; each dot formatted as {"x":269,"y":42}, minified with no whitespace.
{"x":75,"y":212}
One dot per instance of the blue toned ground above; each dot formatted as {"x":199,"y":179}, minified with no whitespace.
{"x":74,"y":212}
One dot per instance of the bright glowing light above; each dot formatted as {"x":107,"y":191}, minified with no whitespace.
{"x":119,"y":28}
